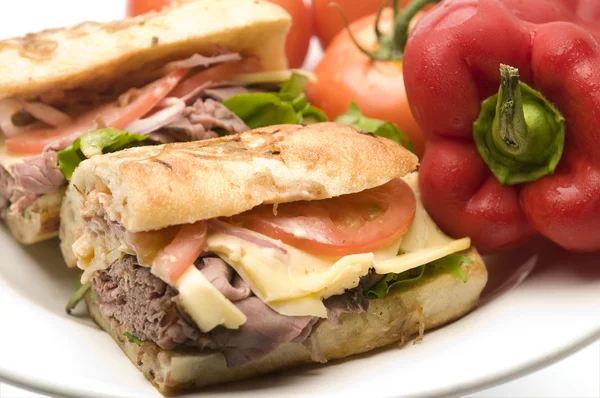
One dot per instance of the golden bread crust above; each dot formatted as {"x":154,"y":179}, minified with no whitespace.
{"x":155,"y":187}
{"x":95,"y":55}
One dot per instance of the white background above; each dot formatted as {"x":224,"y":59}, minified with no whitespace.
{"x":577,"y":376}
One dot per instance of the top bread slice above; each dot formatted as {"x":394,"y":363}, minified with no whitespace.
{"x":155,"y":187}
{"x":95,"y":56}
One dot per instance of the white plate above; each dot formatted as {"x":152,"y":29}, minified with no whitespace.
{"x":520,"y":326}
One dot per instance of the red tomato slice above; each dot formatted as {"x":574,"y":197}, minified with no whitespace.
{"x":172,"y":261}
{"x":113,"y":114}
{"x":357,"y":223}
{"x":215,"y":73}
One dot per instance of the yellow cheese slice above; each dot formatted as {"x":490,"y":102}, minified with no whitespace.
{"x":308,"y":305}
{"x":274,"y":275}
{"x":294,"y":282}
{"x":423,"y":243}
{"x":207,"y":306}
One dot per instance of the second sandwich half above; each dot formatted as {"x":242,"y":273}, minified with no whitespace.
{"x":161,"y":77}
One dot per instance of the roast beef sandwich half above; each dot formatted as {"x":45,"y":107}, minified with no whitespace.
{"x":161,"y":77}
{"x":218,"y":260}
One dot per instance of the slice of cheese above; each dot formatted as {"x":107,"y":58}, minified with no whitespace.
{"x":423,"y":243}
{"x":207,"y":306}
{"x":276,"y":275}
{"x":294,"y":282}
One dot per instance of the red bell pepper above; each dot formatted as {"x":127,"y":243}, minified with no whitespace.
{"x":502,"y":165}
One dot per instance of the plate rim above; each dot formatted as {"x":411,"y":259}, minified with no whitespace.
{"x":45,"y":387}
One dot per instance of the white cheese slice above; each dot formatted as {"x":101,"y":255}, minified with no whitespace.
{"x":423,"y":243}
{"x":207,"y":306}
{"x":274,"y":275}
{"x":294,"y":282}
{"x":308,"y":305}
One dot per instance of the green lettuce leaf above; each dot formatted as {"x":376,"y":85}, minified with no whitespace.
{"x":80,"y":292}
{"x":451,"y":264}
{"x":261,"y":109}
{"x":382,"y":288}
{"x":293,"y":87}
{"x":133,"y":339}
{"x":288,"y":106}
{"x":95,"y":143}
{"x":354,"y":117}
{"x":312,"y":114}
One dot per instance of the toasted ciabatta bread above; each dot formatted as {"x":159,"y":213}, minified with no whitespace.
{"x":39,"y":221}
{"x":96,"y":55}
{"x":433,"y":301}
{"x":130,"y":52}
{"x":156,"y":187}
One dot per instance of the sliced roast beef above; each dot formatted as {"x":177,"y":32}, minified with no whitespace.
{"x":39,"y":174}
{"x":29,"y":179}
{"x":6,"y":181}
{"x":148,"y":308}
{"x":264,"y":331}
{"x":352,"y":301}
{"x":224,"y":278}
{"x":199,"y":121}
{"x":144,"y":305}
{"x":212,"y":114}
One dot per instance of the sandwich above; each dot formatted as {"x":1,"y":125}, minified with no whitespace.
{"x":156,"y":78}
{"x":219,"y":260}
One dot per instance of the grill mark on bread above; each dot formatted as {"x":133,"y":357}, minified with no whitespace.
{"x":166,"y":164}
{"x":37,"y":49}
{"x":365,"y":132}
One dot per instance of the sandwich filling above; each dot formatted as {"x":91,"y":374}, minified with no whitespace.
{"x":249,"y":283}
{"x":185,"y":104}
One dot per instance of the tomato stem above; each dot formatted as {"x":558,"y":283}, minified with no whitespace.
{"x":402,"y":21}
{"x":391,"y":45}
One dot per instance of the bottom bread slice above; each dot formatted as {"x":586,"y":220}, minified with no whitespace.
{"x":435,"y":300}
{"x":39,"y":221}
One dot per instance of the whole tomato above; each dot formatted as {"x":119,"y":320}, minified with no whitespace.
{"x":327,"y":19}
{"x":298,"y":38}
{"x":376,"y":81}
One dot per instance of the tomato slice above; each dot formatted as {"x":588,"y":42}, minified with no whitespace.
{"x":356,"y":223}
{"x":174,"y":259}
{"x":113,"y":114}
{"x":215,"y":73}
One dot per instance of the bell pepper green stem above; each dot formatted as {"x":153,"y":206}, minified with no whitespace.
{"x":509,"y":129}
{"x":519,"y":133}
